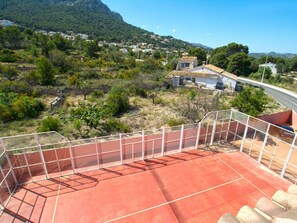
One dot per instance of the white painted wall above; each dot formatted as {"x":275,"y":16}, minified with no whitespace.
{"x":228,"y":82}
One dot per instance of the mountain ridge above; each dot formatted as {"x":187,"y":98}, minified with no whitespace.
{"x":90,"y":17}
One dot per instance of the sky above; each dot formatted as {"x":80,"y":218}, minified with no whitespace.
{"x":262,"y":25}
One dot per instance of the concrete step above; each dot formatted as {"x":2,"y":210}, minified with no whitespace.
{"x":287,"y":217}
{"x":288,"y":201}
{"x":292,"y":189}
{"x":228,"y":218}
{"x":248,"y":215}
{"x":269,"y":208}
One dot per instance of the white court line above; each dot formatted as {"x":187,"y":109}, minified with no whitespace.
{"x":175,"y":200}
{"x":56,"y":204}
{"x":243,"y":177}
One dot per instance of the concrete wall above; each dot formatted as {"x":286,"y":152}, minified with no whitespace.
{"x":278,"y":118}
{"x":230,"y":83}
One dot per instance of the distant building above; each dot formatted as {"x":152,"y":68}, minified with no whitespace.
{"x":208,"y":76}
{"x":6,"y":23}
{"x":187,"y":63}
{"x":272,"y":66}
{"x":124,"y":50}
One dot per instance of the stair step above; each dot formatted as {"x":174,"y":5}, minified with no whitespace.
{"x":292,"y":189}
{"x":269,"y":208}
{"x":287,"y":217}
{"x":228,"y":218}
{"x":248,"y":215}
{"x":288,"y":201}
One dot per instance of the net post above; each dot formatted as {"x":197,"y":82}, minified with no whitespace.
{"x":289,"y":156}
{"x":198,"y":135}
{"x":229,"y":124}
{"x":71,"y":155}
{"x":264,"y":144}
{"x":163,"y":141}
{"x":121,"y":149}
{"x":41,"y":156}
{"x":213,"y":129}
{"x":181,"y":137}
{"x":142,"y":144}
{"x":244,"y":134}
{"x":97,"y":152}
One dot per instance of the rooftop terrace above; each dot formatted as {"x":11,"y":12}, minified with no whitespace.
{"x":188,"y":173}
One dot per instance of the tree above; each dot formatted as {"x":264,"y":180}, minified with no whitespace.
{"x":45,"y":71}
{"x":59,"y":60}
{"x":117,"y":100}
{"x":157,"y":55}
{"x":60,"y":42}
{"x":259,"y":73}
{"x":12,"y":37}
{"x":293,"y":66}
{"x":219,"y":60}
{"x":91,"y":48}
{"x":9,"y":72}
{"x":239,"y":64}
{"x":199,"y":53}
{"x":251,"y":101}
{"x":49,"y":124}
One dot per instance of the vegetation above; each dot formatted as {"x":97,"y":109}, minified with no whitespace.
{"x":251,"y":101}
{"x":90,"y":17}
{"x":84,"y":89}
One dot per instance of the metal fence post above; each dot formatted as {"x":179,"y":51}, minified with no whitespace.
{"x":142,"y":144}
{"x":4,"y":177}
{"x":121,"y":149}
{"x":9,"y":163}
{"x":97,"y":152}
{"x":198,"y":135}
{"x":229,"y":124}
{"x":181,"y":138}
{"x":71,"y":156}
{"x":245,"y":133}
{"x":163,"y":142}
{"x":41,"y":156}
{"x":213,"y":129}
{"x":289,"y":156}
{"x":264,"y":144}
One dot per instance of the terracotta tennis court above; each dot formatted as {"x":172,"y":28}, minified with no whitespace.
{"x":193,"y":186}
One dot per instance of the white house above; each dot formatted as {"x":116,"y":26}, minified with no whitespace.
{"x":186,"y":63}
{"x":208,"y":76}
{"x":272,"y":66}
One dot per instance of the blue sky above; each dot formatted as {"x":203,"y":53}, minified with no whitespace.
{"x":263,"y":25}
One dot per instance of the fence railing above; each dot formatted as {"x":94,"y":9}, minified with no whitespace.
{"x":34,"y":157}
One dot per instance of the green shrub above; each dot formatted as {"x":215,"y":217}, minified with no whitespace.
{"x":117,"y":100}
{"x":113,"y":125}
{"x":174,"y":122}
{"x":8,"y":56}
{"x":97,"y":94}
{"x":49,"y":124}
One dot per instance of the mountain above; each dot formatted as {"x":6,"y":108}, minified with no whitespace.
{"x":81,"y":16}
{"x":273,"y":54}
{"x":201,"y":46}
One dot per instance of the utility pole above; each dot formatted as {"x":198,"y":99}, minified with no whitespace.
{"x":264,"y":69}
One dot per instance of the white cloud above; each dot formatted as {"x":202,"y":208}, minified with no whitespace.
{"x":144,"y":26}
{"x":173,"y":30}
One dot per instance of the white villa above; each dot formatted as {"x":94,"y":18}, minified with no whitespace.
{"x":208,"y":76}
{"x":272,"y":66}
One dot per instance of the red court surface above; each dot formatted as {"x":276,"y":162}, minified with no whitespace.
{"x":193,"y":186}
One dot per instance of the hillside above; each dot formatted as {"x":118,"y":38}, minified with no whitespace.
{"x":273,"y":54}
{"x":82,"y":16}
